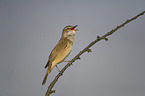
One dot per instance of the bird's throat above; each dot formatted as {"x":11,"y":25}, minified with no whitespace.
{"x":71,"y":38}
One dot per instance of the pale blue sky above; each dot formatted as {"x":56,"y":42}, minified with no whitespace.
{"x":29,"y":29}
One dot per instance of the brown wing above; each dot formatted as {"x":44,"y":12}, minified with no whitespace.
{"x":61,"y":45}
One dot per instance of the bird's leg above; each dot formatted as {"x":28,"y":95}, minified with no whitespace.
{"x":67,"y":61}
{"x":58,"y":69}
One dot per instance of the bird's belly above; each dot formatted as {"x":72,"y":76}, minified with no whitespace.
{"x":63,"y":54}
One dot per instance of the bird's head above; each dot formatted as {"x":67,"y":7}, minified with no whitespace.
{"x":69,"y":32}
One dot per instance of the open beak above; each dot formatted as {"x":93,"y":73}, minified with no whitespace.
{"x":74,"y":27}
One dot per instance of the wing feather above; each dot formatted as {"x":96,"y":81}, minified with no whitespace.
{"x":61,"y":45}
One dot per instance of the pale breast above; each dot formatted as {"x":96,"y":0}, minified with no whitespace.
{"x":63,"y":53}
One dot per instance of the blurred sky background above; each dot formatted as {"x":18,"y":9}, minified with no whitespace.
{"x":29,"y":29}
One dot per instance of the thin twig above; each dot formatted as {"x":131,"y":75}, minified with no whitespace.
{"x":49,"y":90}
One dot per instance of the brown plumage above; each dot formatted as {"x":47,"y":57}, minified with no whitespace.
{"x":61,"y":50}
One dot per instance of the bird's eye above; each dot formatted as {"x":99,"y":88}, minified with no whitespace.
{"x":68,"y":28}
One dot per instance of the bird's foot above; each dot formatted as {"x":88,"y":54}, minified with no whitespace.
{"x":59,"y":70}
{"x":68,"y":62}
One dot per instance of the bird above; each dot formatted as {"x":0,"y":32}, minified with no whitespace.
{"x":61,"y":50}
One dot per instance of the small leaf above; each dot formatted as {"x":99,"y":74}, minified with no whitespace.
{"x":79,"y":58}
{"x":106,"y":39}
{"x":89,"y":50}
{"x":98,"y":37}
{"x":52,"y":91}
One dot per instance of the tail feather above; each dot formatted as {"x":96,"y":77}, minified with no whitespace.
{"x":47,"y":64}
{"x":45,"y":78}
{"x":50,"y":67}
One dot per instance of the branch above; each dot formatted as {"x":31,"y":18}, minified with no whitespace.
{"x":104,"y":37}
